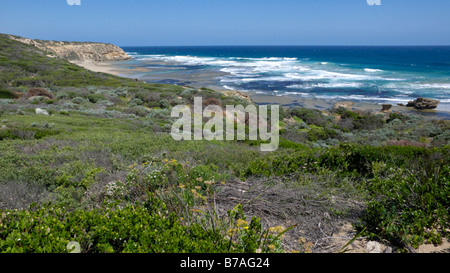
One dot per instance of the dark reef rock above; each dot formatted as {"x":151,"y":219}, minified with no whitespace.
{"x":386,"y":108}
{"x":423,"y":103}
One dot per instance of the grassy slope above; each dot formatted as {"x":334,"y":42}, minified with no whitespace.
{"x":105,"y":130}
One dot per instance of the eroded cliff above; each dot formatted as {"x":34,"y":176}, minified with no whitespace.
{"x":78,"y":51}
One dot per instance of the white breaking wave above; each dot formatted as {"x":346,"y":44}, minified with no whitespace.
{"x":302,"y":68}
{"x":303,"y":75}
{"x":227,"y":87}
{"x":406,"y":87}
{"x":370,"y":70}
{"x":329,"y":75}
{"x":290,"y":68}
{"x":297,"y":93}
{"x":327,"y":85}
{"x":435,"y":85}
{"x":362,"y":97}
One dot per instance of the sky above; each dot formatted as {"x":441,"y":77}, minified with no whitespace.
{"x":230,"y":22}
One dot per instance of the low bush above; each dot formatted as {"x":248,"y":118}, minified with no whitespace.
{"x":49,"y":229}
{"x":34,"y":92}
{"x":6,"y":94}
{"x":410,"y":208}
{"x":166,"y":219}
{"x":94,"y":98}
{"x":398,"y":116}
{"x":309,"y":116}
{"x":164,"y":103}
{"x":321,"y":133}
{"x":79,"y":100}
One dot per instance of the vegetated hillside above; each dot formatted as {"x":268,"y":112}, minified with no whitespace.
{"x":24,"y":65}
{"x":102,"y":169}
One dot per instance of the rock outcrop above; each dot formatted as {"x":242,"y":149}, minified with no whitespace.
{"x":40,"y":111}
{"x":386,"y":108}
{"x":346,"y":104}
{"x":423,"y":103}
{"x":78,"y":51}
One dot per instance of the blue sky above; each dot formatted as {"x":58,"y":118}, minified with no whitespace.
{"x":231,"y":22}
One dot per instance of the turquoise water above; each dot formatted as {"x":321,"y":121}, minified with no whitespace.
{"x":359,"y":73}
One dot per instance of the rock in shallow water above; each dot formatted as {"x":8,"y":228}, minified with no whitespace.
{"x":423,"y":103}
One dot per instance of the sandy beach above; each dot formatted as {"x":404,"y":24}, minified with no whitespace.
{"x":103,"y":67}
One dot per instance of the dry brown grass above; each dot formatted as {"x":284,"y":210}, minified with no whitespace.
{"x":20,"y":195}
{"x":211,"y":101}
{"x":36,"y":91}
{"x":279,"y":203}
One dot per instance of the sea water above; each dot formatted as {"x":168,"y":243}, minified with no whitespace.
{"x":378,"y":74}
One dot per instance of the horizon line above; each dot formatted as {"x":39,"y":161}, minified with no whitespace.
{"x":244,"y":45}
{"x":280,"y":45}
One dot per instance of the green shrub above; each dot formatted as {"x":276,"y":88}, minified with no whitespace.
{"x":164,"y":103}
{"x":370,"y":122}
{"x":6,"y":94}
{"x":285,"y":143}
{"x":49,"y":229}
{"x":411,"y":207}
{"x":396,"y":115}
{"x":353,"y":120}
{"x":320,"y":133}
{"x":309,"y":116}
{"x":79,"y":100}
{"x":147,"y":227}
{"x":94,"y":98}
{"x":159,"y":114}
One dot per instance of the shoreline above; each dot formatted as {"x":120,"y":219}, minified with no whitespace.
{"x":115,"y":68}
{"x":102,"y":67}
{"x":323,"y":105}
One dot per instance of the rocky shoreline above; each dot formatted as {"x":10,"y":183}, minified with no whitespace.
{"x":106,"y":58}
{"x":323,"y":105}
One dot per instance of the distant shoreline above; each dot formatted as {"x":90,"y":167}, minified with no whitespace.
{"x":103,"y":67}
{"x":114,"y":68}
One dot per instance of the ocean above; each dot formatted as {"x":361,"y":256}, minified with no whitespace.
{"x":375,"y":74}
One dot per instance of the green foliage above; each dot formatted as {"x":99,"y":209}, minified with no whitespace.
{"x":6,"y":94}
{"x":399,"y":116}
{"x":94,"y":98}
{"x":348,"y":159}
{"x":102,"y":158}
{"x":147,"y":226}
{"x":321,"y":133}
{"x":48,"y":229}
{"x":309,"y":116}
{"x":287,"y":144}
{"x":413,"y":204}
{"x":28,"y":133}
{"x":360,"y":121}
